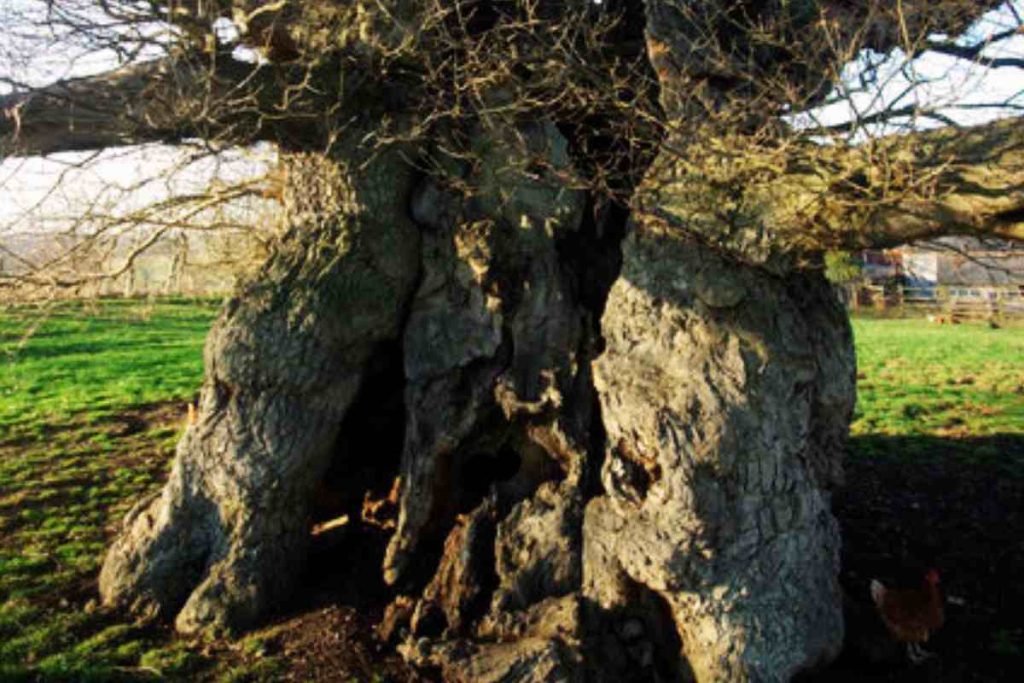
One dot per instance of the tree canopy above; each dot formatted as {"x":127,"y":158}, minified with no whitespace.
{"x":727,"y":96}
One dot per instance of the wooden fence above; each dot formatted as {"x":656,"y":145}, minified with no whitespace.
{"x":950,"y":303}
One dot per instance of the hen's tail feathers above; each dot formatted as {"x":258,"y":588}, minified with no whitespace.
{"x":877,"y":591}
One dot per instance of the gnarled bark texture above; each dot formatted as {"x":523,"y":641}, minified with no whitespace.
{"x":655,"y":510}
{"x":726,"y":392}
{"x":223,"y":542}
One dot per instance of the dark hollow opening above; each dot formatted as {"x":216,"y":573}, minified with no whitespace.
{"x":638,"y":642}
{"x":353,"y":508}
{"x":500,"y":462}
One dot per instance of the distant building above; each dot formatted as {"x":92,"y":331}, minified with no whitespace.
{"x":948,"y":261}
{"x":963,"y":261}
{"x":879,"y":266}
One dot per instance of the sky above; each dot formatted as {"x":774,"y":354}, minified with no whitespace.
{"x":958,"y":89}
{"x":32,"y":198}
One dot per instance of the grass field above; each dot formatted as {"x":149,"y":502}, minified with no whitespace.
{"x":920,"y":378}
{"x":94,"y":359}
{"x":935,"y":478}
{"x":92,"y":399}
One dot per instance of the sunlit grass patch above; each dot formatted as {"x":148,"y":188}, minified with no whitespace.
{"x":92,"y":403}
{"x":917,"y":378}
{"x":59,"y":361}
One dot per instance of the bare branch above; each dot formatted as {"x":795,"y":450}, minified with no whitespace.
{"x":157,"y":101}
{"x":762,"y":200}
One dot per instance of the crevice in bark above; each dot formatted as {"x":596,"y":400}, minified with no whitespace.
{"x":510,"y":471}
{"x":353,"y":507}
{"x":343,"y":567}
{"x":460,"y":591}
{"x":590,"y":481}
{"x":537,"y":466}
{"x":1010,"y":217}
{"x":593,"y":257}
{"x":461,"y":480}
{"x":669,"y":660}
{"x":615,"y":161}
{"x":501,"y":464}
{"x":482,"y":465}
{"x":632,"y":472}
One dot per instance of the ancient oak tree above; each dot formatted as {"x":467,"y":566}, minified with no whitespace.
{"x":564,"y":261}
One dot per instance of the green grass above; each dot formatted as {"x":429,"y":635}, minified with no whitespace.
{"x":71,"y":464}
{"x":917,"y":378}
{"x":97,"y":357}
{"x":76,"y":450}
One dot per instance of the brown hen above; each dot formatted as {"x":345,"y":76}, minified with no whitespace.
{"x":911,"y":614}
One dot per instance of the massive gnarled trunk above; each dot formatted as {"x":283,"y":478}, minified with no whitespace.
{"x":564,"y":512}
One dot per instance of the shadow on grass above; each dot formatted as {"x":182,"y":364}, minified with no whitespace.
{"x":135,"y":347}
{"x":913,"y":502}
